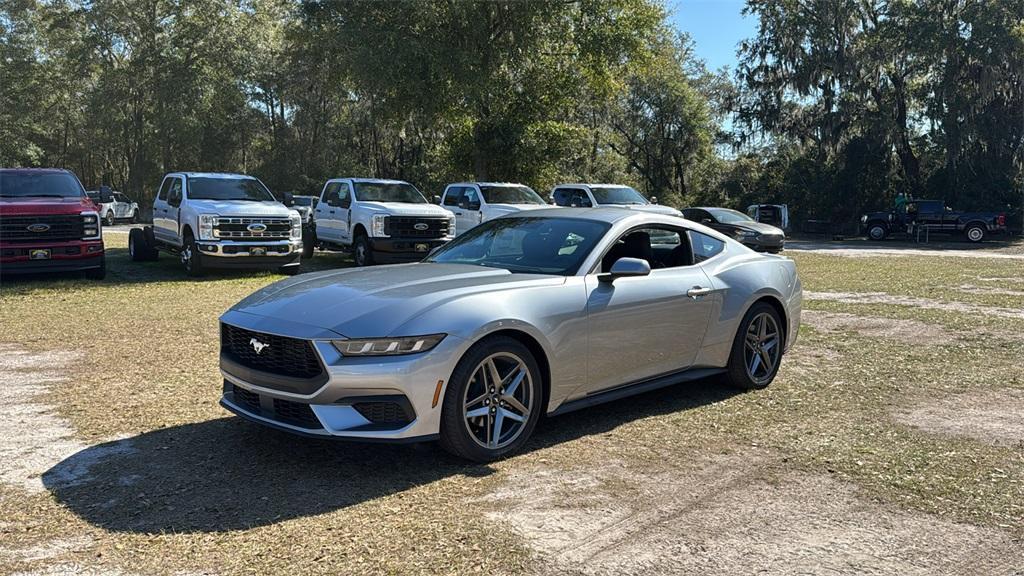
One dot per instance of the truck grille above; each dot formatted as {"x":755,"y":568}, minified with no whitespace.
{"x":281,"y":355}
{"x":58,"y":228}
{"x":240,"y":228}
{"x":406,"y":227}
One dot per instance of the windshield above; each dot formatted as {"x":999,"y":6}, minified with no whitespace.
{"x":305,"y":201}
{"x":511,"y":195}
{"x":726,"y":216}
{"x":204,"y":188}
{"x":617,"y":195}
{"x":389,"y":192}
{"x":16,"y":184}
{"x":531,"y":245}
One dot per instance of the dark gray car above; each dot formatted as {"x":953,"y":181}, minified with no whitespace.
{"x":756,"y":235}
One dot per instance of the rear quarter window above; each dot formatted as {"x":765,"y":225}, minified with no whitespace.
{"x":704,"y":246}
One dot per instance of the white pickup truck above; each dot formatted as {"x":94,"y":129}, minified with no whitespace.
{"x":594,"y":195}
{"x":220,"y":221}
{"x":380,"y":221}
{"x":476,"y":202}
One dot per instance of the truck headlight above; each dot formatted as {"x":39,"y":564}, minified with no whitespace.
{"x":388,"y":346}
{"x":378,"y":225}
{"x":451,"y":225}
{"x":90,"y":226}
{"x":296,"y":226}
{"x":207,"y":222}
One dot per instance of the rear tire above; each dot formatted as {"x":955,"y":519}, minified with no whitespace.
{"x":361,"y":251}
{"x":975,"y":233}
{"x":510,"y":404}
{"x":308,"y":245}
{"x":757,"y":349}
{"x":140,"y":249}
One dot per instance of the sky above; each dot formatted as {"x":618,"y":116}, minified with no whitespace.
{"x":716,"y":26}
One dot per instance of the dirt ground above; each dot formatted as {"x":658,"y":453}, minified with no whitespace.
{"x":892,"y":442}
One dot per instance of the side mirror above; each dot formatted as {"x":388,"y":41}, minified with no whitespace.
{"x":706,"y":221}
{"x":106,"y":195}
{"x":464,"y":203}
{"x":288,"y":199}
{"x":436,"y":199}
{"x":626,"y":267}
{"x":654,"y":199}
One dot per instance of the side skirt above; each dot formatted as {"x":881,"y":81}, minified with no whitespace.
{"x":634,"y":388}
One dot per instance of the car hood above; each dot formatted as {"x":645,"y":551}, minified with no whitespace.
{"x":405,"y":209}
{"x":240,"y":208}
{"x":31,"y":206}
{"x":652,"y":208}
{"x":368,"y":302}
{"x":759,"y":227}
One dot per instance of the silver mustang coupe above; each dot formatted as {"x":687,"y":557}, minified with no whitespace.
{"x":531,"y":314}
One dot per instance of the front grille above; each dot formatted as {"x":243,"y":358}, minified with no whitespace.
{"x":405,"y":227}
{"x":383,"y":412}
{"x":238,"y":229}
{"x":295,"y":413}
{"x":61,"y":228}
{"x":281,"y":355}
{"x":246,"y":399}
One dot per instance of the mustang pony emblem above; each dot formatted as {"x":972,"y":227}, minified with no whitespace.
{"x":257,"y":345}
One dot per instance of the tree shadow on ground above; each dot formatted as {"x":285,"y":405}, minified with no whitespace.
{"x":229,"y":474}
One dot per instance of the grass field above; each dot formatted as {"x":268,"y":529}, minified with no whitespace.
{"x":891,"y":442}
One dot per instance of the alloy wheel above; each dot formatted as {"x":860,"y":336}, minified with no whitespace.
{"x":762,"y":349}
{"x":975,"y":234}
{"x":498,"y":400}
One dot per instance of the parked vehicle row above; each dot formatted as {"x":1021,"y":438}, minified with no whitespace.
{"x":120,"y":207}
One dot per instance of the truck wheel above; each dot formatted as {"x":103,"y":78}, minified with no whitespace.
{"x":191,"y":259}
{"x":361,"y":251}
{"x":308,"y":245}
{"x":98,"y":273}
{"x":150,"y":253}
{"x":877,"y":231}
{"x":109,"y":220}
{"x":137,"y":248}
{"x":135,"y":216}
{"x":975,"y":233}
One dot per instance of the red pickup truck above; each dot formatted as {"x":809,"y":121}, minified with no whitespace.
{"x":49,"y":224}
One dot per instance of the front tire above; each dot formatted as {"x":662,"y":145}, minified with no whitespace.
{"x":493,"y":401}
{"x":109,"y":219}
{"x":135,"y":217}
{"x":308,"y":244}
{"x":757,"y":349}
{"x":191,"y":259}
{"x":361,"y":251}
{"x":975,"y":233}
{"x":877,"y":231}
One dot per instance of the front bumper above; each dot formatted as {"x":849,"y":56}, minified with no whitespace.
{"x":231,"y":254}
{"x":402,"y":250}
{"x":70,"y":256}
{"x":384,"y":398}
{"x":768,"y":244}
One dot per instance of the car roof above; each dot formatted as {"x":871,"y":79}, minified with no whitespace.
{"x":608,"y":214}
{"x":35,"y":170}
{"x":589,"y":185}
{"x":372,"y":180}
{"x":487,"y":183}
{"x":224,"y":175}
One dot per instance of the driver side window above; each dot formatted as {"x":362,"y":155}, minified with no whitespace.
{"x":661,"y":246}
{"x":331,"y":196}
{"x":174,"y":195}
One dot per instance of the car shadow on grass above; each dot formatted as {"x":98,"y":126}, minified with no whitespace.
{"x":228,"y":474}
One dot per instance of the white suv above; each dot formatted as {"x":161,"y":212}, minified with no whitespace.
{"x":385,"y":221}
{"x":220,"y":221}
{"x":595,"y":195}
{"x":476,"y":202}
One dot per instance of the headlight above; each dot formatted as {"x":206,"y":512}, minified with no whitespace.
{"x":296,"y":226}
{"x":388,"y":346}
{"x":864,"y":219}
{"x":745,"y":234}
{"x":451,"y":226}
{"x":207,"y":222}
{"x":90,"y":226}
{"x":378,"y":224}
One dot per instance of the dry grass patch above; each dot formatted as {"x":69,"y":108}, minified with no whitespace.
{"x":991,"y":416}
{"x":912,"y":332}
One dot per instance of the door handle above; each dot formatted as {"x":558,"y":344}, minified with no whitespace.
{"x":458,"y":213}
{"x":698,"y":291}
{"x":331,"y":212}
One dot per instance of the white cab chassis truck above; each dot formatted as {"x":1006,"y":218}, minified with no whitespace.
{"x":212,"y":220}
{"x":380,"y":221}
{"x":476,"y":202}
{"x":595,"y":195}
